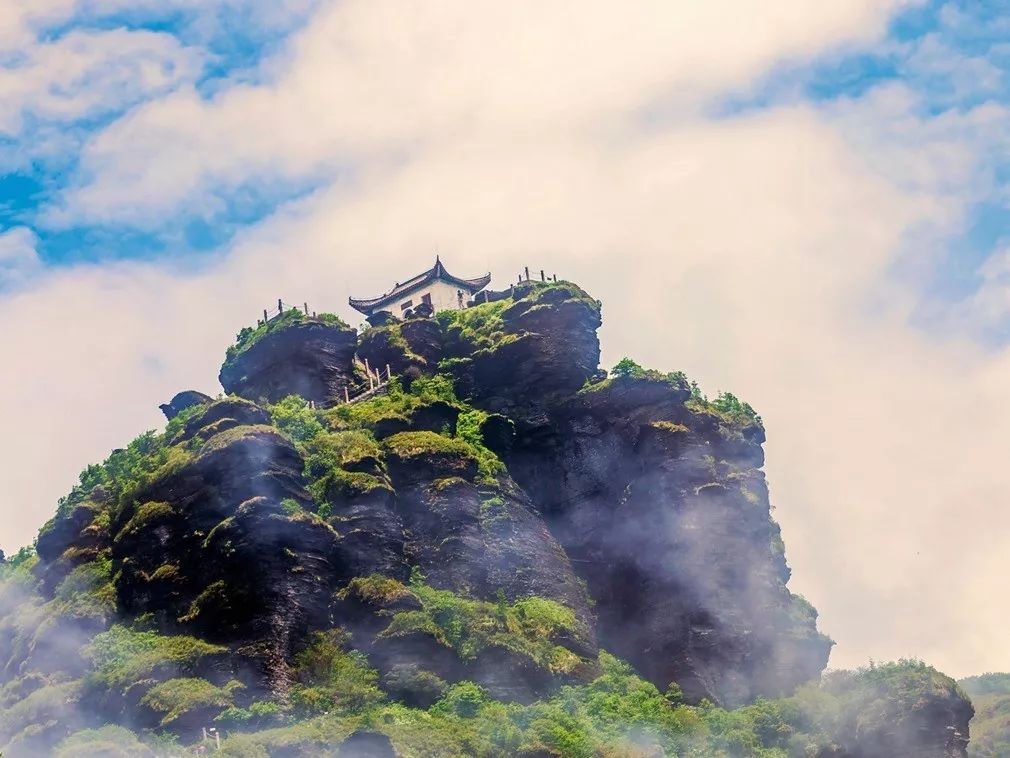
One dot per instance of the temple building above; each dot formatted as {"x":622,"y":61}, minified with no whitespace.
{"x":434,"y":290}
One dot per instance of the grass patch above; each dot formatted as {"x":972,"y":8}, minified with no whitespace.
{"x":333,"y":678}
{"x":472,"y":626}
{"x":177,"y":697}
{"x":122,"y":655}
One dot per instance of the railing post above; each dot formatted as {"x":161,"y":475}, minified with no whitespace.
{"x":265,"y":316}
{"x":280,"y":306}
{"x":389,"y":373}
{"x":306,"y":309}
{"x":543,"y":278}
{"x":347,"y":395}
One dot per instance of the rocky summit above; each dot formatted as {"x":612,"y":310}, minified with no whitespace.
{"x":495,"y":548}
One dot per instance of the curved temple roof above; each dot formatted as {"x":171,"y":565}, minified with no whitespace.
{"x":437,"y":271}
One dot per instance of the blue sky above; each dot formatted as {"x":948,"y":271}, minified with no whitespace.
{"x":953,"y":56}
{"x":229,"y":40}
{"x":803,"y":203}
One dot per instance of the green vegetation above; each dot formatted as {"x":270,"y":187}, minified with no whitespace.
{"x":412,"y":444}
{"x":293,"y":416}
{"x":124,"y":474}
{"x":258,"y":715}
{"x":732,"y":407}
{"x":390,"y":336}
{"x":344,"y":460}
{"x":249,"y":336}
{"x":397,"y":403}
{"x":326,"y":456}
{"x":106,"y":742}
{"x":525,"y":628}
{"x":990,"y":729}
{"x":626,"y":369}
{"x":727,"y":407}
{"x":986,"y":684}
{"x":332,"y":678}
{"x":485,"y":328}
{"x":336,"y":692}
{"x":122,"y":655}
{"x":176,"y":697}
{"x":480,"y":327}
{"x":617,"y":714}
{"x":87,"y":591}
{"x":468,"y":429}
{"x":145,"y":516}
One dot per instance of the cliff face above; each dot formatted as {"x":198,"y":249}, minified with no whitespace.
{"x":292,"y":354}
{"x":500,"y":514}
{"x":656,"y":496}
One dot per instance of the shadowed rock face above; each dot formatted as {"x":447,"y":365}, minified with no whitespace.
{"x":226,"y":546}
{"x":310,"y":359}
{"x":182,"y":401}
{"x":548,"y":349}
{"x":666,"y":515}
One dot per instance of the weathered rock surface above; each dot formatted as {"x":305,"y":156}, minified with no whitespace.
{"x":308,"y":358}
{"x":665,"y":513}
{"x":183,"y":401}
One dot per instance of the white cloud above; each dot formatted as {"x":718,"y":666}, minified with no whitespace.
{"x":19,"y":260}
{"x":88,"y":74}
{"x":756,"y":253}
{"x":371,"y":79}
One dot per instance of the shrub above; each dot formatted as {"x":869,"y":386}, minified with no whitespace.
{"x":468,"y":429}
{"x":176,"y":697}
{"x":730,"y":405}
{"x":107,"y":742}
{"x":627,"y":369}
{"x":258,"y":714}
{"x":411,"y":444}
{"x":293,"y":416}
{"x":333,"y":678}
{"x":121,"y":655}
{"x":469,"y":626}
{"x":463,"y":699}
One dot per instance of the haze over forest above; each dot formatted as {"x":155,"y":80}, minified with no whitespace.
{"x":802,"y":204}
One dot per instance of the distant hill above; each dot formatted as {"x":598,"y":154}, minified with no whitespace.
{"x":990,"y":729}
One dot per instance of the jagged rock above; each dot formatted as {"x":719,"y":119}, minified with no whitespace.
{"x":664,"y":512}
{"x":183,"y":401}
{"x":306,"y":358}
{"x":498,"y":433}
{"x":548,"y":351}
{"x":409,"y":346}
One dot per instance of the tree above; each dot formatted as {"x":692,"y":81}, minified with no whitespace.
{"x":627,"y":369}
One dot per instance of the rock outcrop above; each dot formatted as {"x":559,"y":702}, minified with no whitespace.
{"x":182,"y":401}
{"x":292,"y":355}
{"x":498,"y":515}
